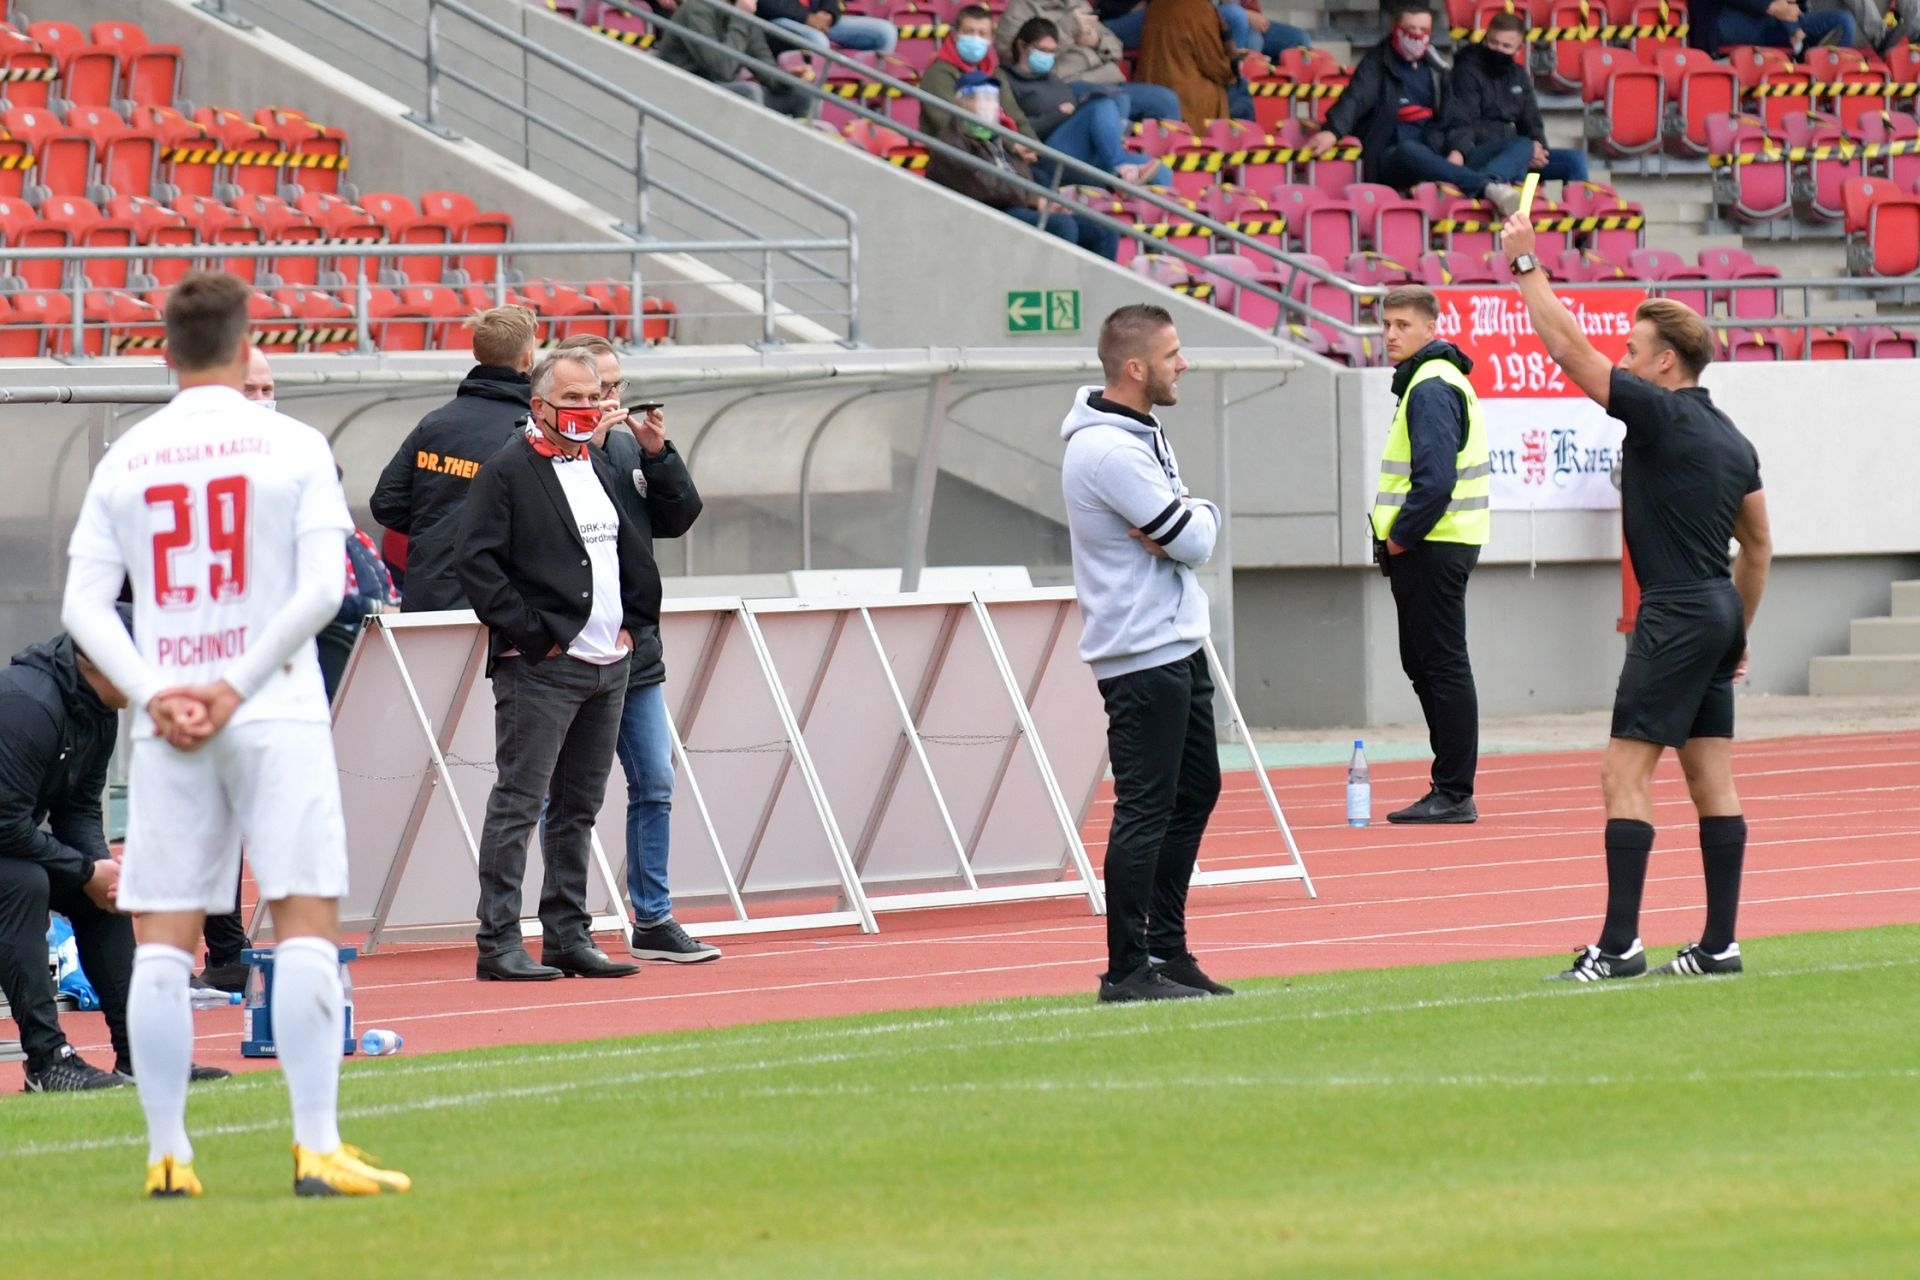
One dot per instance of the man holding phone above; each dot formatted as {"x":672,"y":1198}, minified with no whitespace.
{"x":655,"y":494}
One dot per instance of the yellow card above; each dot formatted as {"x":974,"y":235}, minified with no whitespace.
{"x":1527,"y":189}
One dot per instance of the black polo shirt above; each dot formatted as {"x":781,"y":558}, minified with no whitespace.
{"x":1685,"y":472}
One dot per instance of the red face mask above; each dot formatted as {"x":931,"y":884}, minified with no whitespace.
{"x":576,"y":424}
{"x":1411,"y":45}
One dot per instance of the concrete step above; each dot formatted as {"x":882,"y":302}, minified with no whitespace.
{"x":1906,"y":599}
{"x":1877,"y":675}
{"x":1880,"y":636}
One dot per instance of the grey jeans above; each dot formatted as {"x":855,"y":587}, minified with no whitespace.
{"x":555,"y":726}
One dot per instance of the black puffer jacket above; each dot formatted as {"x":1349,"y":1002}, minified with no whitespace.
{"x":56,"y":738}
{"x":422,"y":489}
{"x":659,"y":498}
{"x":1489,"y":99}
{"x":1369,"y":107}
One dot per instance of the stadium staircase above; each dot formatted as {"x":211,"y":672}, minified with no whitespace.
{"x":1885,"y":653}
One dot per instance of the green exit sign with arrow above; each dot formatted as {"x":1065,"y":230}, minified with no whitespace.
{"x":1043,"y":311}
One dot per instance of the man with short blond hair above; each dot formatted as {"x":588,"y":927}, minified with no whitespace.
{"x":421,"y":490}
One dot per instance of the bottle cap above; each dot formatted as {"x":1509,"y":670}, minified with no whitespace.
{"x":1358,"y":743}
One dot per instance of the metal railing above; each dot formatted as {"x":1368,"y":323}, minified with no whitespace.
{"x":426,"y":52}
{"x":1290,"y":306}
{"x":358,"y":292}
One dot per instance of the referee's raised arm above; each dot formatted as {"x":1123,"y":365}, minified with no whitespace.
{"x":1559,"y":331}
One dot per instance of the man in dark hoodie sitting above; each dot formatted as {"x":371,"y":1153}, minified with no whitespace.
{"x":58,"y":724}
{"x":1430,"y":519}
{"x":1491,"y":122}
{"x":421,"y":491}
{"x":1393,"y":105}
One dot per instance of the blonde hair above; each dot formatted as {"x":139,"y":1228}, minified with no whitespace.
{"x":1681,"y":330}
{"x":591,"y":344}
{"x":503,"y":335}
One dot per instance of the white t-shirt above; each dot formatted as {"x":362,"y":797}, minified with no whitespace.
{"x":203,"y":504}
{"x":599,"y":525}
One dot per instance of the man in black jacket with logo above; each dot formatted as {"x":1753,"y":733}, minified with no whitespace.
{"x":1491,"y":121}
{"x":421,"y":491}
{"x":564,"y":581}
{"x":1393,"y":105}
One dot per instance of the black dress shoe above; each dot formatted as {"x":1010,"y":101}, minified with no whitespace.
{"x":1434,"y":808}
{"x":512,"y":966}
{"x":588,"y":962}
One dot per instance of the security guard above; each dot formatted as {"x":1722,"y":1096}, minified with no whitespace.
{"x":1430,"y":519}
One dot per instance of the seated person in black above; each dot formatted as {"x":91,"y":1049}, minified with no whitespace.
{"x":1689,"y":482}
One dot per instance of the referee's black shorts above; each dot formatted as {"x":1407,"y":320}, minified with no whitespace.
{"x":1677,"y":682}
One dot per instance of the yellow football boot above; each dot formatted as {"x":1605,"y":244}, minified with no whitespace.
{"x":168,"y":1177}
{"x":343,"y":1172}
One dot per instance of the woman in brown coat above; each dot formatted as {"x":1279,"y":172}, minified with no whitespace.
{"x":1184,"y":47}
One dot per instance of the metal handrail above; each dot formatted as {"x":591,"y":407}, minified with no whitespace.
{"x":1221,"y":232}
{"x":428,"y":59}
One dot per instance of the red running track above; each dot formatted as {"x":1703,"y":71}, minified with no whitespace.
{"x":1835,"y":844}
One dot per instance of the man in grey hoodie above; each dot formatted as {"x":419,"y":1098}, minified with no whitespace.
{"x":1138,"y":536}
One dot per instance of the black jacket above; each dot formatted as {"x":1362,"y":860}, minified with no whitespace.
{"x":55,"y":740}
{"x":1368,"y":108}
{"x":1436,"y":432}
{"x":658,"y":496}
{"x":1489,"y":99}
{"x":1703,"y":20}
{"x":423,"y":487}
{"x":523,"y":566}
{"x":794,"y":11}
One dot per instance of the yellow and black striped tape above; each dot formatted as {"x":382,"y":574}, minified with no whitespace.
{"x":16,"y":162}
{"x":334,"y":333}
{"x":1863,"y":90}
{"x":1837,"y":151}
{"x":1214,"y":161}
{"x":1245,"y":226}
{"x":254,"y":159}
{"x":1287,"y":89}
{"x":922,"y":30}
{"x":914,"y":160}
{"x":29,"y":75}
{"x":1611,"y":31}
{"x":640,"y":39}
{"x":128,"y":342}
{"x":1195,"y":288}
{"x":860,"y":89}
{"x":1610,"y":222}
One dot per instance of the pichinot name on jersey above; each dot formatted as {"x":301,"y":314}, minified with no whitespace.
{"x":208,"y":646}
{"x":173,"y":454}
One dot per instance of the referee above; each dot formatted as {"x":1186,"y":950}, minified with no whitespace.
{"x":1689,"y":482}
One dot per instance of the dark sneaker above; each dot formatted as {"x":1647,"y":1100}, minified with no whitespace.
{"x":68,"y":1072}
{"x":199,"y":1074}
{"x":1434,"y":809}
{"x":1591,"y":964}
{"x":1692,"y":962}
{"x":231,"y":978}
{"x":1185,"y":970}
{"x":1148,"y":982}
{"x":666,"y":940}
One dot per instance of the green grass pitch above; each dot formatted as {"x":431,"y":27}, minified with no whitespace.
{"x":1463,"y":1120}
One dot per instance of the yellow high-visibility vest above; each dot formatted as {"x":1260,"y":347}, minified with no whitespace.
{"x":1467,"y":518}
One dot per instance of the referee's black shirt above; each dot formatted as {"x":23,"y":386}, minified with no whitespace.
{"x":1685,"y":473}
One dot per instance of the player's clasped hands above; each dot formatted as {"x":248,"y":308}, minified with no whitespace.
{"x":188,"y":715}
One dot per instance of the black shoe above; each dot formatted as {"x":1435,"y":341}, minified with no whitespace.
{"x":587,"y":962}
{"x":512,"y":966}
{"x":1184,"y":970}
{"x":231,"y":978}
{"x":198,"y":1075}
{"x":666,"y":940}
{"x":1434,"y":808}
{"x":1591,"y":964}
{"x":1693,"y":962}
{"x":68,"y":1072}
{"x":1145,"y":983}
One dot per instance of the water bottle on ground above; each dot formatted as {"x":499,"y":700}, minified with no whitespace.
{"x":1359,"y":787}
{"x":213,"y":997}
{"x":378,"y":1040}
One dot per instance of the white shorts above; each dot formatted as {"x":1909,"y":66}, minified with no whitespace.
{"x":271,"y":783}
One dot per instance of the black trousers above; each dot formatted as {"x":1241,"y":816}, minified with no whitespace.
{"x":1429,"y":582}
{"x":105,"y":941}
{"x":1166,"y":778}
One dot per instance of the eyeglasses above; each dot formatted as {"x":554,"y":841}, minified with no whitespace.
{"x":609,"y":390}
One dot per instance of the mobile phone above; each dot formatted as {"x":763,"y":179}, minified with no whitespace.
{"x":645,"y":407}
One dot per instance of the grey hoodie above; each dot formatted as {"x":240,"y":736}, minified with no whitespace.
{"x":1139,"y":611}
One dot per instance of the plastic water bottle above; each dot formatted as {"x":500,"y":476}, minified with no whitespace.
{"x":1359,"y":787}
{"x":378,"y":1040}
{"x":213,"y":998}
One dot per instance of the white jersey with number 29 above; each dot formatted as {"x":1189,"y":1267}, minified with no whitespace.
{"x":204,"y":504}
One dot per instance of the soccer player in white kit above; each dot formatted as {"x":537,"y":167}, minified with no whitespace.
{"x":227,"y":518}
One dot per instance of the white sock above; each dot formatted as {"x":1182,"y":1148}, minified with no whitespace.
{"x":309,"y":1028}
{"x":160,"y":1034}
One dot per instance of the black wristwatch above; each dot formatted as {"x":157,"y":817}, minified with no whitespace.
{"x":1524,"y":263}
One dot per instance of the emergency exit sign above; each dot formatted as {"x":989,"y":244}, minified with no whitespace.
{"x":1043,"y":311}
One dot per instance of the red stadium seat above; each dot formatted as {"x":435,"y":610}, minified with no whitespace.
{"x":1595,"y":200}
{"x":1756,"y":191}
{"x":1817,"y":194}
{"x":1389,"y":222}
{"x":1738,"y":264}
{"x":16,"y":164}
{"x":1624,"y":101}
{"x":1191,"y":182}
{"x":127,"y":159}
{"x":1876,"y":342}
{"x":1758,"y":345}
{"x":144,"y":213}
{"x":1658,"y":14}
{"x":149,"y":73}
{"x":1696,"y":87}
{"x":1893,"y":126}
{"x":1157,"y":137}
{"x":1261,"y":312}
{"x":1776,"y":106}
{"x":326,"y":322}
{"x":26,"y":72}
{"x":1577,"y":266}
{"x":567,"y":310}
{"x":46,"y":315}
{"x":1564,"y":70}
{"x":1664,"y":266}
{"x":1441,"y":267}
{"x":1377,"y":270}
{"x":1882,"y":225}
{"x":1830,"y":344}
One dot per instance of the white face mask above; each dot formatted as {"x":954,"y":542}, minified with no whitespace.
{"x":985,"y":107}
{"x":267,"y":404}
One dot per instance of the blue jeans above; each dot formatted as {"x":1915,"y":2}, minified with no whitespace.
{"x":1279,"y":36}
{"x":1737,"y":27}
{"x":1085,"y":232}
{"x":1141,"y":101}
{"x":1409,"y":164}
{"x":1095,"y":134}
{"x":867,"y":35}
{"x":1509,"y":161}
{"x":646,"y":756}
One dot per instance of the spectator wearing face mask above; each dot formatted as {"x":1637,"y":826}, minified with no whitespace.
{"x":1088,"y":56}
{"x":1091,"y":129}
{"x":1492,"y":122}
{"x":979,"y":99}
{"x":1393,"y":105}
{"x":968,"y":48}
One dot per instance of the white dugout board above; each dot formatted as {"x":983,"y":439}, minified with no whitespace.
{"x":834,"y":759}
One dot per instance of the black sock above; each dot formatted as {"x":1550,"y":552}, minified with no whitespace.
{"x":1629,"y":844}
{"x":1723,"y":851}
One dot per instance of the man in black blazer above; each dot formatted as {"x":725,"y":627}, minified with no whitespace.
{"x":564,"y":582}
